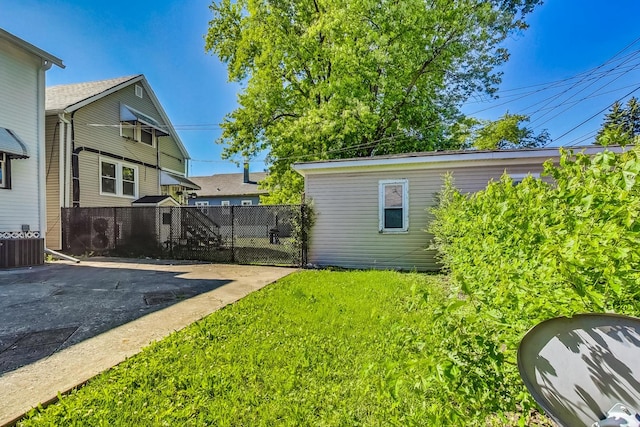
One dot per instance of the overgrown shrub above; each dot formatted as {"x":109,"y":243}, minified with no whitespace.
{"x":521,"y":254}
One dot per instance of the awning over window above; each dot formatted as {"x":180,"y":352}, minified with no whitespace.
{"x":167,"y":178}
{"x":12,"y":145}
{"x":128,"y":114}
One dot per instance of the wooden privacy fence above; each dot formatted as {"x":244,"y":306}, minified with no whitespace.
{"x":264,"y":234}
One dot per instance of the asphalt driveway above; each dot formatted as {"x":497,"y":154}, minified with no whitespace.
{"x":61,"y":324}
{"x":47,"y":308}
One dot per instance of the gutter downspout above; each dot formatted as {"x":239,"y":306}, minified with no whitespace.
{"x":62,"y":159}
{"x":41,"y":151}
{"x":61,"y":255}
{"x":67,"y":165}
{"x":159,"y":171}
{"x":61,"y":173}
{"x":75,"y":167}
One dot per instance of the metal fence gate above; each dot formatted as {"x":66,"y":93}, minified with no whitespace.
{"x":264,"y":234}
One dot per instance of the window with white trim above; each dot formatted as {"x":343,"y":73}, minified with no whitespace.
{"x":225,"y":203}
{"x":147,"y":135}
{"x":139,"y":132}
{"x":246,"y":202}
{"x":118,"y":179}
{"x":4,"y":176}
{"x":139,"y":91}
{"x":202,"y":203}
{"x":393,"y":205}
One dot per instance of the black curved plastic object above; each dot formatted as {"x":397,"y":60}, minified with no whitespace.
{"x":578,"y":368}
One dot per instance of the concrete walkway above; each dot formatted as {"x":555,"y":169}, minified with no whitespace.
{"x":40,"y":382}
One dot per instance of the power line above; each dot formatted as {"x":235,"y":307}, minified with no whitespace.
{"x":376,"y":143}
{"x":584,"y":88}
{"x":589,"y":75}
{"x":596,"y":114}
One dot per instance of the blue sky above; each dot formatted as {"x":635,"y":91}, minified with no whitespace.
{"x":164,"y":40}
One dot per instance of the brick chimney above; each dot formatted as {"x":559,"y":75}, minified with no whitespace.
{"x":246,"y":172}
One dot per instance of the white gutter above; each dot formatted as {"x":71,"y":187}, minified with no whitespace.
{"x":61,"y":128}
{"x":40,"y":155}
{"x":61,"y":255}
{"x":64,"y":160}
{"x":47,"y":58}
{"x":67,"y":168}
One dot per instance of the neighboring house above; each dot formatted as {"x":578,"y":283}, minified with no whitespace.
{"x":228,"y":189}
{"x":109,"y":143}
{"x":22,"y":150}
{"x":372,"y":212}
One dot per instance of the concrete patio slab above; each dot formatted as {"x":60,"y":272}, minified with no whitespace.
{"x":70,"y":322}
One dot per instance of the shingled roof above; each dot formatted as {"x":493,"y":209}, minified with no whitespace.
{"x":63,"y":97}
{"x":228,"y":184}
{"x":71,"y":97}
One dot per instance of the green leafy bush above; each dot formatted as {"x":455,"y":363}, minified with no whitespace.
{"x":524,"y":253}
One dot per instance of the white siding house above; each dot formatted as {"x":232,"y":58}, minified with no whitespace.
{"x":372,"y":212}
{"x":22,"y":171}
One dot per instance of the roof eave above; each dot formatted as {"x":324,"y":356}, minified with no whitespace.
{"x":45,"y":56}
{"x":230,"y":195}
{"x":76,"y":106}
{"x":433,"y":158}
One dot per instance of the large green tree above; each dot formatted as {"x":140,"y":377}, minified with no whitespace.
{"x":326,"y":79}
{"x":509,"y":131}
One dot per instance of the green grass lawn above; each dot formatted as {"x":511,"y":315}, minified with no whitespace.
{"x":318,"y":348}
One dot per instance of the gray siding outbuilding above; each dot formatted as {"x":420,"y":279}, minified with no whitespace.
{"x":372,"y":212}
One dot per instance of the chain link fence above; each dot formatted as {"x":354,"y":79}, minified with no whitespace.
{"x":264,"y":234}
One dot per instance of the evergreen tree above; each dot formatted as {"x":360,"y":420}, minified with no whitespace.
{"x":632,"y":117}
{"x":620,"y":123}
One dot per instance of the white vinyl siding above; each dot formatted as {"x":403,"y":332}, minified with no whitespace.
{"x":346,"y":230}
{"x":21,"y":111}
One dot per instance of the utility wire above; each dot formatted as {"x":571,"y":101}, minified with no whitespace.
{"x":594,"y":115}
{"x":583,"y":89}
{"x":586,"y":76}
{"x":547,"y":87}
